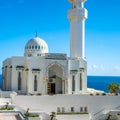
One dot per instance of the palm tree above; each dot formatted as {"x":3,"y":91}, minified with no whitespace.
{"x":113,"y":88}
{"x":108,"y":118}
{"x":6,"y":105}
{"x":53,"y":114}
{"x":27,"y":112}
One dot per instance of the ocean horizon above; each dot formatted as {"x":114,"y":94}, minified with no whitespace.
{"x":96,"y":82}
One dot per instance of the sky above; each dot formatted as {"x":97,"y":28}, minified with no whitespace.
{"x":20,"y":19}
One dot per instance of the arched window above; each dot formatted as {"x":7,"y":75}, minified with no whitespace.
{"x":38,"y":47}
{"x":35,"y":83}
{"x":35,"y":47}
{"x":19,"y":80}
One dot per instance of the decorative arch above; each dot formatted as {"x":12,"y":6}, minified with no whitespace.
{"x":55,"y":63}
{"x":55,"y":78}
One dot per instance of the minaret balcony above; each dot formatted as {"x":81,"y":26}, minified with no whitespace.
{"x":71,"y":1}
{"x":75,"y":13}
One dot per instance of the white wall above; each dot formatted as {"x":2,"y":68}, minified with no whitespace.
{"x":48,"y":104}
{"x":73,"y":117}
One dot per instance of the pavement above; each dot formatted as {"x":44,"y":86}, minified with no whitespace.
{"x":8,"y":117}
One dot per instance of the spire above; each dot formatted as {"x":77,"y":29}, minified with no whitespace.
{"x":36,"y":35}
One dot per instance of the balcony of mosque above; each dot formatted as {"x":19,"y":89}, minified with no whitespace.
{"x":57,"y":56}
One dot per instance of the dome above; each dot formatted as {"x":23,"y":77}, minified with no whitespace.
{"x":36,"y":47}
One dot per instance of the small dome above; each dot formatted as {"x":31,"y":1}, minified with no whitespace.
{"x":36,"y":47}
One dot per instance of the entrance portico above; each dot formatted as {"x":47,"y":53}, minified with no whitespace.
{"x":55,"y":83}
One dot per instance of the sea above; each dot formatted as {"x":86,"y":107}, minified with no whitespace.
{"x":96,"y":82}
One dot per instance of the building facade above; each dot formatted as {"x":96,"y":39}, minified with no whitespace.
{"x":41,"y":72}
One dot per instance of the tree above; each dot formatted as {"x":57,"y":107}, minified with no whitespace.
{"x":113,"y":88}
{"x":27,"y":112}
{"x":6,"y":105}
{"x":108,"y":118}
{"x":53,"y":114}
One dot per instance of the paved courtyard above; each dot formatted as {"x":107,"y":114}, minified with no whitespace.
{"x":8,"y":117}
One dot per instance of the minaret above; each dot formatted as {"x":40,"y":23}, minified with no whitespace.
{"x":77,"y":15}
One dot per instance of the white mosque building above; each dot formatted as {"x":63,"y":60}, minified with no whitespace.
{"x":39,"y":71}
{"x":53,"y":82}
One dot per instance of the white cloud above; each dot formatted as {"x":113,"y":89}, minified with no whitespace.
{"x":117,"y":68}
{"x":95,"y":66}
{"x":104,"y":70}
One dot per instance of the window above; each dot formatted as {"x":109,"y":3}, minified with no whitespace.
{"x":32,"y":47}
{"x":73,"y":83}
{"x":58,"y":109}
{"x":29,"y":55}
{"x":63,"y":109}
{"x":38,"y":47}
{"x":85,"y":109}
{"x":29,"y":47}
{"x":38,"y":54}
{"x":72,"y":109}
{"x":81,"y":109}
{"x":35,"y":83}
{"x":35,"y":47}
{"x":19,"y":80}
{"x":80,"y":81}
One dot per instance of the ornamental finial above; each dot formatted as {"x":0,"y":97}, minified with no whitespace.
{"x":36,"y":34}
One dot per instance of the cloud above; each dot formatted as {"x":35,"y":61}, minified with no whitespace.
{"x":104,"y":70}
{"x":96,"y":67}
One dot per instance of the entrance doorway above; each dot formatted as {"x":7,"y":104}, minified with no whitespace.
{"x":51,"y":88}
{"x":55,"y":75}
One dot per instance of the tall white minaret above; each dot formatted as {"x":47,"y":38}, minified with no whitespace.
{"x":77,"y":16}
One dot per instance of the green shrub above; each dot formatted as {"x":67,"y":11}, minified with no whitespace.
{"x":97,"y":94}
{"x":2,"y":108}
{"x":31,"y":94}
{"x":103,"y":94}
{"x":9,"y":108}
{"x":31,"y":115}
{"x":39,"y":94}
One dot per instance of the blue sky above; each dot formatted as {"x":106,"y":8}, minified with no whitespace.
{"x":20,"y":19}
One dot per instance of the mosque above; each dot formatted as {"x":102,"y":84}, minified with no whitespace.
{"x":53,"y":82}
{"x":39,"y":71}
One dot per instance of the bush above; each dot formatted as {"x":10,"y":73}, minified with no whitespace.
{"x":103,"y":94}
{"x":2,"y":108}
{"x":31,"y":94}
{"x":39,"y":94}
{"x":31,"y":115}
{"x":97,"y":94}
{"x":9,"y":108}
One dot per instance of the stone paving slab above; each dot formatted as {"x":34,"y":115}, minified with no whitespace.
{"x":8,"y":117}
